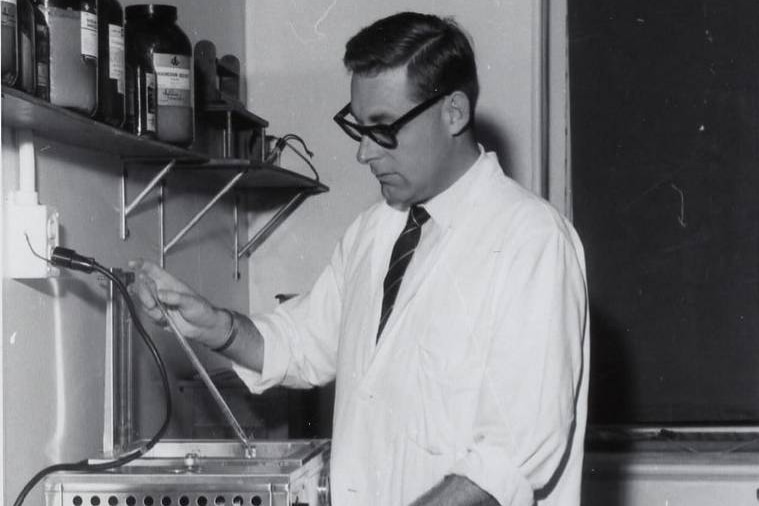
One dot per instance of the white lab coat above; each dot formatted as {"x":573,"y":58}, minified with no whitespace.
{"x":482,"y":368}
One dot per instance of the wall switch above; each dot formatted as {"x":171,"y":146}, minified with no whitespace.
{"x":31,"y":232}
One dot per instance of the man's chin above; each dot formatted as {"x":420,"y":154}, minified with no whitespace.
{"x":393,"y":200}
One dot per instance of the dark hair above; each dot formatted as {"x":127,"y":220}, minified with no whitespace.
{"x":436,"y":52}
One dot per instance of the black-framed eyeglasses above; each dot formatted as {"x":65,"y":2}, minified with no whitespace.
{"x":384,"y":135}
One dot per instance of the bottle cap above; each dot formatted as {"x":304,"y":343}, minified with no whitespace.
{"x":157,"y":11}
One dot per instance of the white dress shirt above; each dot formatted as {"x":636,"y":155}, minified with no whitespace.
{"x":482,"y":368}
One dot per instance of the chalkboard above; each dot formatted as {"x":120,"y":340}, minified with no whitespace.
{"x":665,"y":178}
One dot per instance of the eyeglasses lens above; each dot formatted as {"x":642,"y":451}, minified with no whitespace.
{"x":379,"y":135}
{"x":383,"y":138}
{"x":352,"y":131}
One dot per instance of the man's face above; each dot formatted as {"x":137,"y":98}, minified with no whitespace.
{"x":408,"y":173}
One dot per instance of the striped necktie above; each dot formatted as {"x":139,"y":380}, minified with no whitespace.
{"x":399,"y":260}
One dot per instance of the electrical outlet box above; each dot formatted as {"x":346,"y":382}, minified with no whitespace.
{"x":31,"y":233}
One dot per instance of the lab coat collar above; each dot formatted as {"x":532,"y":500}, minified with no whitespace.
{"x":443,"y":206}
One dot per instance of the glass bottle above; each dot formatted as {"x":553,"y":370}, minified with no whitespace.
{"x":73,"y":29}
{"x":25,"y":80}
{"x":41,"y":53}
{"x":141,"y":83}
{"x":9,"y":39}
{"x":111,"y":80}
{"x":156,"y":37}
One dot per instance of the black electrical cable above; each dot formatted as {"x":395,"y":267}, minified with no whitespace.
{"x":284,"y":141}
{"x":63,"y":257}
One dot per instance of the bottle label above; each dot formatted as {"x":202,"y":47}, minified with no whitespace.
{"x":9,"y":13}
{"x":173,"y":73}
{"x":89,"y":34}
{"x":151,"y":124}
{"x":43,"y":75}
{"x":116,"y":56}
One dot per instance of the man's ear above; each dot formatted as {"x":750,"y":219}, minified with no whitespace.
{"x":457,"y":112}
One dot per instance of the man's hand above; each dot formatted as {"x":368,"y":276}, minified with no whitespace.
{"x":195,"y":317}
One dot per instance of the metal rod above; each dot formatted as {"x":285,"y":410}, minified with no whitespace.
{"x":124,"y":230}
{"x":125,"y":432}
{"x":264,"y":147}
{"x":162,"y":221}
{"x":153,"y":182}
{"x":229,"y":138}
{"x":109,"y":372}
{"x":236,"y":222}
{"x":203,"y":211}
{"x":198,"y":365}
{"x":273,"y":223}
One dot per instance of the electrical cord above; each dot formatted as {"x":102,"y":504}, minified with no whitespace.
{"x":70,"y":259}
{"x":284,"y":142}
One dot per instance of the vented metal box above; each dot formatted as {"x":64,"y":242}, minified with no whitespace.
{"x":204,"y":473}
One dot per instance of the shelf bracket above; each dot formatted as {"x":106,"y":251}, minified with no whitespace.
{"x":272,"y":224}
{"x":126,"y":209}
{"x":162,"y":220}
{"x":195,"y":219}
{"x":236,"y":228}
{"x":166,"y":246}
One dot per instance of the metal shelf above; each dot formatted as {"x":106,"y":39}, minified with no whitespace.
{"x":21,"y":110}
{"x":259,"y":175}
{"x":212,"y":175}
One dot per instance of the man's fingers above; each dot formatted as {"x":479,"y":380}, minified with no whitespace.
{"x":156,"y":316}
{"x":191,"y":307}
{"x":161,"y":278}
{"x":191,"y":312}
{"x":140,"y":288}
{"x":145,"y":267}
{"x":176,"y":299}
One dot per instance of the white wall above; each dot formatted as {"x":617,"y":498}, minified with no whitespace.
{"x":296,"y":80}
{"x":53,"y":330}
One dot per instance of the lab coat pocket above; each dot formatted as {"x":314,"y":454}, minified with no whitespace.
{"x":447,"y":399}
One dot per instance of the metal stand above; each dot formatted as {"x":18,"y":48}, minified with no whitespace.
{"x":159,"y":180}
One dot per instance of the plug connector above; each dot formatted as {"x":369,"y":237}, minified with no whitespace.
{"x":70,"y":259}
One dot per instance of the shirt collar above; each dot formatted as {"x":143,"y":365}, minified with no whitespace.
{"x":442,"y":207}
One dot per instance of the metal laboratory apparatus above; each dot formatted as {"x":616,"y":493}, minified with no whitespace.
{"x":182,"y":472}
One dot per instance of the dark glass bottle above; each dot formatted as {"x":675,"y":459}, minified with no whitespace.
{"x":141,"y":83}
{"x":111,"y":79}
{"x":154,"y":36}
{"x":9,"y":39}
{"x":26,"y":80}
{"x":73,"y":29}
{"x":42,"y":53}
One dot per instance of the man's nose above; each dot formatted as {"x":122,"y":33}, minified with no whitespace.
{"x":367,"y":150}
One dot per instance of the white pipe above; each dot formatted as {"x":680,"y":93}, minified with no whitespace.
{"x":54,"y":449}
{"x":27,"y":190}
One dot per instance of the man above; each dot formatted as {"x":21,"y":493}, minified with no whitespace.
{"x":452,"y":315}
